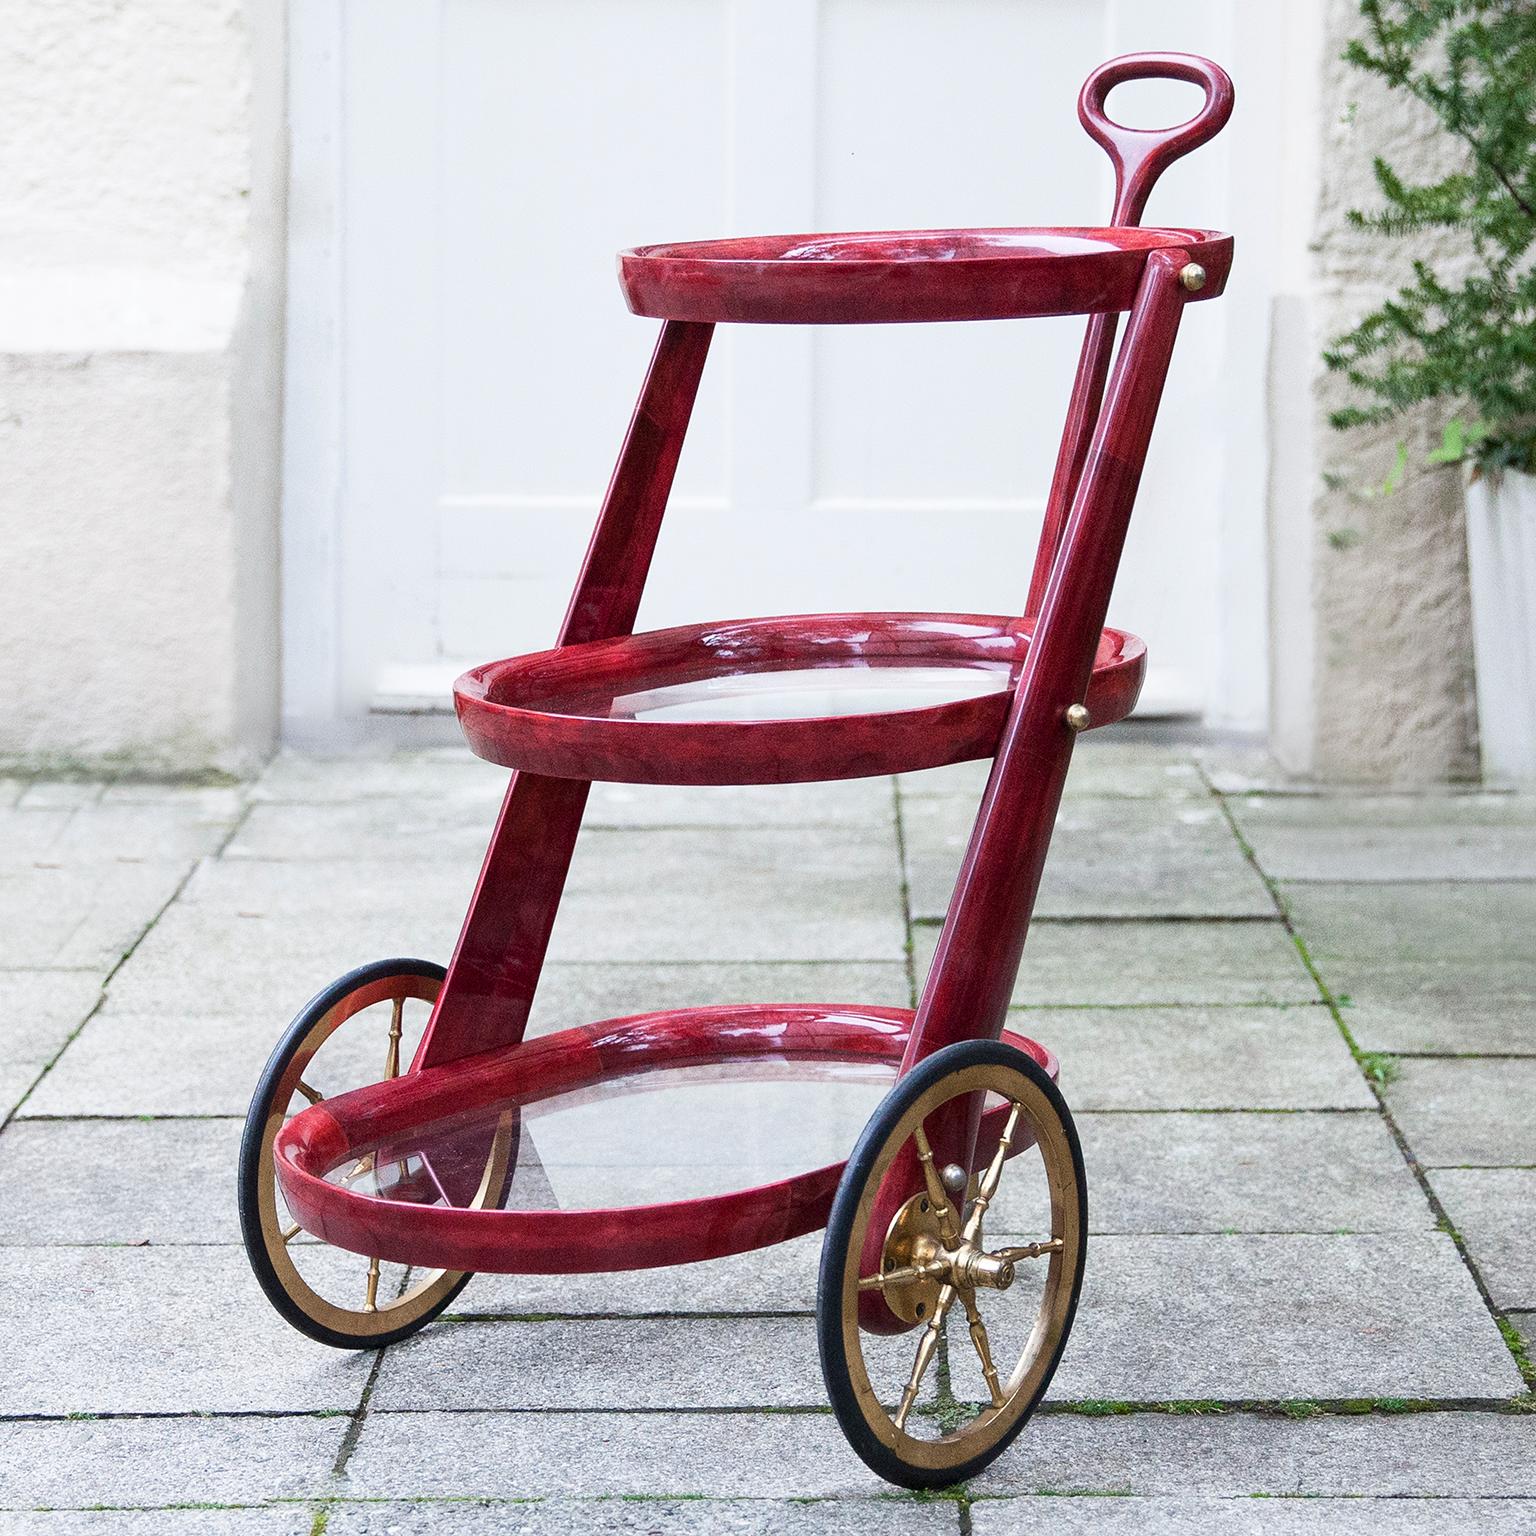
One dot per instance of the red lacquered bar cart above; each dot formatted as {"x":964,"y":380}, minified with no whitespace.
{"x":963,"y":1200}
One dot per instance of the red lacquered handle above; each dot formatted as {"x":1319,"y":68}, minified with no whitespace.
{"x":1141,"y":155}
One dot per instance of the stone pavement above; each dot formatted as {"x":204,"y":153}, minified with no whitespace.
{"x":1296,"y":1030}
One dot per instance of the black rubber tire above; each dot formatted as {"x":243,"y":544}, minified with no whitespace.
{"x":252,"y":1168}
{"x":878,"y":1457}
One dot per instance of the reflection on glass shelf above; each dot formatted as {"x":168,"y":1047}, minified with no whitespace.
{"x":678,"y":1134}
{"x":808,"y":693}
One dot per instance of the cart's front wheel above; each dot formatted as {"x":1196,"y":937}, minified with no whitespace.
{"x":999,"y":1245}
{"x":358,"y":1030}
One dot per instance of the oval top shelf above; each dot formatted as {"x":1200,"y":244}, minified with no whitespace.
{"x":895,"y":276}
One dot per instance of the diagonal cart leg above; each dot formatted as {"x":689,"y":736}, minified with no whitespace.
{"x":489,"y":990}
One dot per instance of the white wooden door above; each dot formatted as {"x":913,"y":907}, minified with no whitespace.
{"x":461,"y":364}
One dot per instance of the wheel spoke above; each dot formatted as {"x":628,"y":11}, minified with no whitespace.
{"x":949,"y":1222}
{"x":371,"y":1296}
{"x":983,"y":1346}
{"x":289,"y":1233}
{"x":903,"y":1276}
{"x":392,"y":1056}
{"x":925,"y":1349}
{"x":993,"y":1176}
{"x":1030,"y":1250}
{"x":312,"y":1094}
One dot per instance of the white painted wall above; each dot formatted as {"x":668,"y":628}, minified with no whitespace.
{"x":141,"y":195}
{"x":461,"y":365}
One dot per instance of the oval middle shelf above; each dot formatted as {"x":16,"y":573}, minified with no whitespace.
{"x":771,"y":700}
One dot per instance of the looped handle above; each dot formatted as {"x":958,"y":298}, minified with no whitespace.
{"x":1141,"y":155}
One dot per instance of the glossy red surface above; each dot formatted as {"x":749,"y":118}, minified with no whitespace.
{"x":430,"y":1105}
{"x":606,"y":704}
{"x":706,"y":704}
{"x":895,"y":276}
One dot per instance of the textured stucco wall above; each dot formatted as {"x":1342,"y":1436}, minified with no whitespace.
{"x":140,"y":337}
{"x":1371,"y":639}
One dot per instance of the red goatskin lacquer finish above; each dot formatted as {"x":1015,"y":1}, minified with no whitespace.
{"x":557,"y":718}
{"x":350,"y":1125}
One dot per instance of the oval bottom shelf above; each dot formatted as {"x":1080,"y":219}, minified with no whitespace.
{"x":399,"y":1169}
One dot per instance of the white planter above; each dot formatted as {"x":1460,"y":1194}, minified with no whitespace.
{"x":1501,"y":559}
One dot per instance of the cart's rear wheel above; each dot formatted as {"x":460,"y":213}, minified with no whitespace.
{"x":347,"y":1300}
{"x":932,"y":1413}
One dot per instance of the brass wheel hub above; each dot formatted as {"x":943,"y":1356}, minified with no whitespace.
{"x":916,"y":1262}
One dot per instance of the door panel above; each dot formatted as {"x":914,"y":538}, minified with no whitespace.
{"x":487,"y":160}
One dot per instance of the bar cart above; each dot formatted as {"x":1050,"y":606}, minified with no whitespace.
{"x":963,"y":1200}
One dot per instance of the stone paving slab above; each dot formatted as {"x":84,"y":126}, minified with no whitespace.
{"x":555,"y":1455}
{"x":1303,"y":1172}
{"x":1494,"y":1209}
{"x":722,"y":894}
{"x":1525,"y":1326}
{"x":56,"y":794}
{"x":596,"y":1363}
{"x":1199,"y":1058}
{"x":1238,"y":1318}
{"x":169,"y":1063}
{"x":794,"y":1455}
{"x":1444,"y":967}
{"x":163,"y":1064}
{"x":1109,"y":858}
{"x":435,"y":773}
{"x":450,"y":831}
{"x":1425,"y":1455}
{"x":171,"y":830}
{"x":732,"y":894}
{"x":1101,"y":767}
{"x":41,"y":1010}
{"x":131,"y":1181}
{"x":279,"y":1521}
{"x":265,"y":967}
{"x":652,"y":1517}
{"x":80,"y":917}
{"x":1253,"y":1317}
{"x":458,"y":828}
{"x":156,"y":1330}
{"x":62,"y":1464}
{"x":584,"y":994}
{"x":1382,"y":838}
{"x":329,"y":890}
{"x":1128,"y":964}
{"x":1249,"y":1517}
{"x":1467,"y":1112}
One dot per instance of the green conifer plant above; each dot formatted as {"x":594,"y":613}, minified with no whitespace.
{"x":1468,"y":344}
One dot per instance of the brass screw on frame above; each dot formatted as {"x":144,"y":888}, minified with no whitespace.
{"x":1078,"y":717}
{"x":1193,"y":277}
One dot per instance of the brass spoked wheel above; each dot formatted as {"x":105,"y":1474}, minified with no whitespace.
{"x":998,"y":1247}
{"x":357,"y":1031}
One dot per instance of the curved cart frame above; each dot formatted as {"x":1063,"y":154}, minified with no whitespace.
{"x":550,"y":717}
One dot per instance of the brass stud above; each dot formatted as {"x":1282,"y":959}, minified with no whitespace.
{"x":1193,"y":277}
{"x":1078,"y":718}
